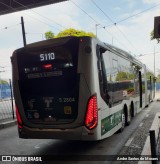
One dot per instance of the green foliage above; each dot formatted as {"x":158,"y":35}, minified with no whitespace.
{"x":124,"y":76}
{"x":74,"y":32}
{"x":3,"y":82}
{"x":152,"y":36}
{"x":143,"y":88}
{"x":121,"y":76}
{"x":158,"y":78}
{"x":148,"y":74}
{"x":129,"y":90}
{"x":68,"y":32}
{"x":49,"y":35}
{"x":130,"y":76}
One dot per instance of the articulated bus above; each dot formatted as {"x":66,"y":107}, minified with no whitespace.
{"x":77,"y":88}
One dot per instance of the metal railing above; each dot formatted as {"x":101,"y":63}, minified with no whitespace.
{"x":155,"y":141}
{"x":7,"y":110}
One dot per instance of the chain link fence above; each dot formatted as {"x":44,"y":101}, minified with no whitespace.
{"x":7,"y":107}
{"x":158,"y":87}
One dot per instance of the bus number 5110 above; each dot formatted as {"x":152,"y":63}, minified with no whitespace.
{"x":47,"y":56}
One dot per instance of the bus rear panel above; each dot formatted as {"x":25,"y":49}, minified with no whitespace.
{"x":51,"y":91}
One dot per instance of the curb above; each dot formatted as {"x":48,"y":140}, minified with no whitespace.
{"x":8,"y":124}
{"x":147,"y":149}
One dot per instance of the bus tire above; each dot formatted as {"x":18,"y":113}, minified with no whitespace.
{"x":127,"y":116}
{"x":149,"y":100}
{"x":132,"y":110}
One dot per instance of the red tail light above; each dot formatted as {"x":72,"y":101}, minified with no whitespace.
{"x":47,"y":67}
{"x":92,"y":113}
{"x":19,"y":120}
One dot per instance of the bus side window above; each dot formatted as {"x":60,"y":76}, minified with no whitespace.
{"x":99,"y":66}
{"x":103,"y":76}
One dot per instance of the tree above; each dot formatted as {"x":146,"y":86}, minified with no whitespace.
{"x":74,"y":32}
{"x":49,"y":35}
{"x":152,"y":36}
{"x":121,"y":76}
{"x":3,"y":82}
{"x":149,"y":74}
{"x":158,"y":78}
{"x":70,"y":32}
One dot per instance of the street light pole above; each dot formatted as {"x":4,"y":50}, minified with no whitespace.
{"x":96,"y":29}
{"x":154,"y":73}
{"x":1,"y":84}
{"x":0,"y":90}
{"x":23,"y":32}
{"x":154,"y":63}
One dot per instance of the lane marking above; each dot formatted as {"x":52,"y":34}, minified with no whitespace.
{"x":135,"y":146}
{"x":140,"y":125}
{"x":37,"y":146}
{"x":129,"y":142}
{"x":147,"y":110}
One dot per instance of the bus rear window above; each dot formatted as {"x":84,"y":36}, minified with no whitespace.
{"x":41,"y":64}
{"x":48,"y":79}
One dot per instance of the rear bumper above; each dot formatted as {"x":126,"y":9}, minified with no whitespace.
{"x":36,"y":133}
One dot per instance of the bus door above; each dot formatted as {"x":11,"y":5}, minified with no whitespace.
{"x":150,"y":89}
{"x":140,"y":88}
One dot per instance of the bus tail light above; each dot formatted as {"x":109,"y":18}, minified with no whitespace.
{"x":47,"y":67}
{"x":19,"y":120}
{"x":91,"y":119}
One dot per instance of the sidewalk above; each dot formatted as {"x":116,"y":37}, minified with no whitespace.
{"x":155,"y":127}
{"x":157,"y":96}
{"x":139,"y":141}
{"x":147,"y":147}
{"x":158,"y":100}
{"x":4,"y":123}
{"x":139,"y":145}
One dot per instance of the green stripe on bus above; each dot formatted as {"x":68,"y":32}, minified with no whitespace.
{"x":110,"y":122}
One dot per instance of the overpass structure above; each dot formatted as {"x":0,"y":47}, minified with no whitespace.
{"x":10,"y":6}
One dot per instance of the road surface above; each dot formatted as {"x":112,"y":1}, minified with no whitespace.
{"x":12,"y":145}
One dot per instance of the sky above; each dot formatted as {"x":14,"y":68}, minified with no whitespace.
{"x":117,"y":22}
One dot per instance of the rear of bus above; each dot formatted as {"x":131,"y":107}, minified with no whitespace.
{"x":54,"y":89}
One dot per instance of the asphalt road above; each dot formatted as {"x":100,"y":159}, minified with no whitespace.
{"x":10,"y":144}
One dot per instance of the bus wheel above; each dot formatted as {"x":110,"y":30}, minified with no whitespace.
{"x":149,"y":100}
{"x":132,"y":110}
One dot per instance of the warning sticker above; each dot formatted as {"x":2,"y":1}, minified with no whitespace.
{"x":67,"y":110}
